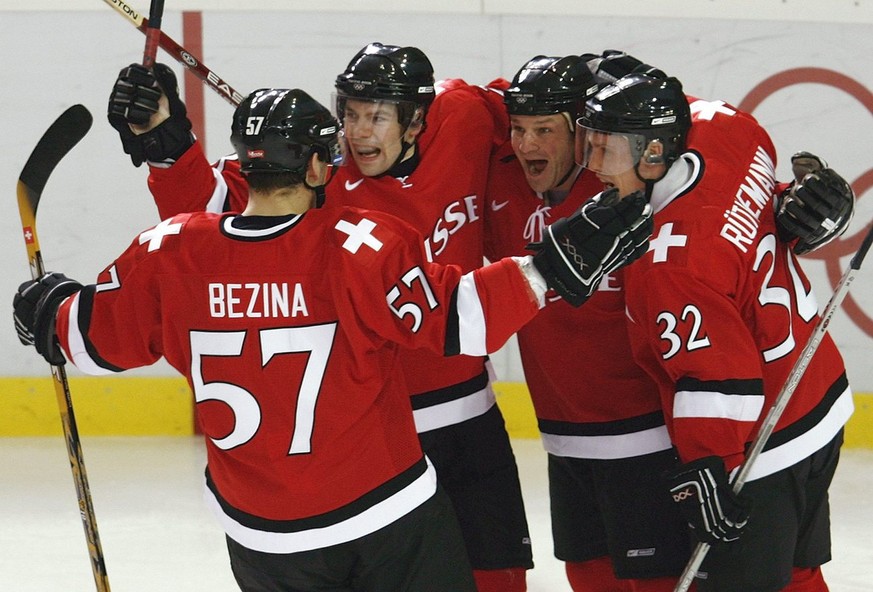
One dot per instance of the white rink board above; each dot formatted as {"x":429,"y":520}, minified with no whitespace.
{"x":96,"y":202}
{"x":838,"y":11}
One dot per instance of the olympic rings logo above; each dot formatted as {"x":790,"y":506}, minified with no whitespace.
{"x":844,"y":245}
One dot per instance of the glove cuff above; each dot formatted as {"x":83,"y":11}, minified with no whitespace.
{"x":45,"y":341}
{"x":534,"y":278}
{"x":168,"y":142}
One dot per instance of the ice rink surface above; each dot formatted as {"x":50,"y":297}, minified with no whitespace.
{"x":157,"y":534}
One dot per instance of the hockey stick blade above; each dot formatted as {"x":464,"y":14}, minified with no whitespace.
{"x":782,"y":399}
{"x":56,"y":142}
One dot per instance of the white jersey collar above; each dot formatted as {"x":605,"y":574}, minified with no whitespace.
{"x":683,"y":173}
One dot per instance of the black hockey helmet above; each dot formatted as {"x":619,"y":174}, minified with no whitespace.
{"x":646,"y":109}
{"x":276,"y":130}
{"x":549,"y":85}
{"x":613,"y":64}
{"x":388,"y":73}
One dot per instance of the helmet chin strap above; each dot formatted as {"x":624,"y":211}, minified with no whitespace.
{"x":650,"y":187}
{"x":573,"y":168}
{"x":404,"y":148}
{"x":649,"y":183}
{"x":403,"y":168}
{"x":395,"y":170}
{"x":319,"y":189}
{"x":319,"y":193}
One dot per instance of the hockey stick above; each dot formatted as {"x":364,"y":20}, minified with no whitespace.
{"x":153,"y":33}
{"x":783,"y":397}
{"x":180,"y":54}
{"x":55,"y":143}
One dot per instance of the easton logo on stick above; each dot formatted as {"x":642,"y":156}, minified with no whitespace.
{"x":127,"y":9}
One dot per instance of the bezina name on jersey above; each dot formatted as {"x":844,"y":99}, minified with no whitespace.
{"x":253,"y":300}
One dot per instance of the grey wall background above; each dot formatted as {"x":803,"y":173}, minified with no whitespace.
{"x":70,"y":51}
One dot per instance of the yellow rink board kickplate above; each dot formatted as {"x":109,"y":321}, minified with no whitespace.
{"x":162,"y":406}
{"x":103,"y":406}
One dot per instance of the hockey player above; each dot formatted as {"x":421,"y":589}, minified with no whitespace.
{"x":422,"y":156}
{"x":719,"y":311}
{"x":288,"y":322}
{"x":606,"y":440}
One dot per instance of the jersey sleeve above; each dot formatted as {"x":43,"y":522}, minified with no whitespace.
{"x":192,"y":184}
{"x":428,"y":305}
{"x":472,"y":115}
{"x":116,"y":323}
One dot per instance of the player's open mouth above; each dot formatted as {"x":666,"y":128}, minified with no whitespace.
{"x":367,"y":152}
{"x":535,"y":167}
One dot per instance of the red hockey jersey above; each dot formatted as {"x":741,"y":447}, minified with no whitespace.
{"x":720,"y":309}
{"x":442,"y":199}
{"x":612,"y":411}
{"x":289,"y":331}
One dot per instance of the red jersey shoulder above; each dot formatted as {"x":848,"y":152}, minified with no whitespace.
{"x":447,"y":84}
{"x":732,"y":163}
{"x":728,"y":204}
{"x":498,"y":84}
{"x":728,"y":139}
{"x":184,"y":237}
{"x":366,"y":236}
{"x":174,"y":232}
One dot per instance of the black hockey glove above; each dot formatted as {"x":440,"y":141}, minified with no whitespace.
{"x":816,"y":208}
{"x":613,"y":64}
{"x":35,"y":305}
{"x":604,"y":234}
{"x":134,"y":99}
{"x":706,"y":499}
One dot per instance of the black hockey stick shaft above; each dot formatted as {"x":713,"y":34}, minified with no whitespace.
{"x":180,"y":54}
{"x":153,"y":33}
{"x":55,"y":143}
{"x":783,"y":397}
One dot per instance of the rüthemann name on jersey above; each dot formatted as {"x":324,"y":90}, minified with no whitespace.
{"x":743,"y":219}
{"x":265,"y":300}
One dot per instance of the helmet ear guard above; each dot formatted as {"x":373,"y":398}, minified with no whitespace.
{"x":654,"y":153}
